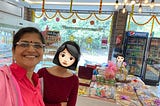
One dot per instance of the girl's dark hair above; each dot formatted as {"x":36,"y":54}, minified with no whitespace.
{"x":73,"y":48}
{"x":25,"y":30}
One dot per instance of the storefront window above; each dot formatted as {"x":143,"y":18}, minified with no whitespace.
{"x":145,"y":23}
{"x":89,"y":31}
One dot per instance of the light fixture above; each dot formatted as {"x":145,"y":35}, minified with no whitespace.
{"x":116,"y":5}
{"x":145,"y":1}
{"x":152,"y":4}
{"x":125,"y":1}
{"x":140,"y":8}
{"x":124,"y":9}
{"x":133,"y":2}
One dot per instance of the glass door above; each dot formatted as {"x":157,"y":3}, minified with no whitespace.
{"x":152,"y":63}
{"x":134,"y":51}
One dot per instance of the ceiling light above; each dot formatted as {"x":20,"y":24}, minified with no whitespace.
{"x":145,"y":1}
{"x":140,"y":8}
{"x":152,"y":4}
{"x":116,"y":5}
{"x":133,"y":2}
{"x":124,"y":9}
{"x":125,"y":1}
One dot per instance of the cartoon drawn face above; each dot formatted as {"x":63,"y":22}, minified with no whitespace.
{"x":66,"y":59}
{"x":120,"y":59}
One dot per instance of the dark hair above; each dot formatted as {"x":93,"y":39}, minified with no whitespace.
{"x":25,"y":30}
{"x":73,"y":48}
{"x":120,"y":54}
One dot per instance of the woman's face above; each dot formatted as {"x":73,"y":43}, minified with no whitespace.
{"x":65,"y":58}
{"x":29,"y":51}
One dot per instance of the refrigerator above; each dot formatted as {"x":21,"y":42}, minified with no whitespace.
{"x":134,"y":50}
{"x":151,"y":70}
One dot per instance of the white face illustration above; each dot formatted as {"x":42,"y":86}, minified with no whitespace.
{"x":65,"y":58}
{"x":120,"y":59}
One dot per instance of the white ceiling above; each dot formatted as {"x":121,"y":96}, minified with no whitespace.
{"x":92,"y":5}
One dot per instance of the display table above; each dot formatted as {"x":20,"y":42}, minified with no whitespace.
{"x":89,"y":101}
{"x":135,"y":93}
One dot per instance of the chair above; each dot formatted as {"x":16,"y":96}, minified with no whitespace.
{"x":85,"y":75}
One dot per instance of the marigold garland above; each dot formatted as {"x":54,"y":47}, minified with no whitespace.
{"x":130,"y":16}
{"x":110,"y":34}
{"x":51,"y":16}
{"x":100,"y":7}
{"x":40,"y":15}
{"x":83,"y":18}
{"x":143,"y":23}
{"x":66,"y":17}
{"x":152,"y":26}
{"x":71,"y":6}
{"x":157,"y":20}
{"x":72,"y":15}
{"x":103,"y":19}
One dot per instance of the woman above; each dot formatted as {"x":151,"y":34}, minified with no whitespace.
{"x":60,"y":84}
{"x":21,"y":86}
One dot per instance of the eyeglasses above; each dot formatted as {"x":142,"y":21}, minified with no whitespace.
{"x":36,"y":45}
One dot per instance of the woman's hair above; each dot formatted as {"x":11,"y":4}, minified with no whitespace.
{"x":120,"y":54}
{"x":25,"y":30}
{"x":73,"y":48}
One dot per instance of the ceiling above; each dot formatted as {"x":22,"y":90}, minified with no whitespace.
{"x":93,"y":5}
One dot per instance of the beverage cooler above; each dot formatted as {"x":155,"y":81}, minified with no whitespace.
{"x":151,"y":75}
{"x":134,"y":50}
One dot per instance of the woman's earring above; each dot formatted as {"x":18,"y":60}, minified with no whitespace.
{"x":13,"y":60}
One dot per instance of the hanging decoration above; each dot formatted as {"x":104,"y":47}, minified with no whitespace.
{"x":33,"y":14}
{"x":74,"y":20}
{"x":103,"y":19}
{"x":130,"y":16}
{"x":43,"y":4}
{"x":71,"y":6}
{"x":60,"y":14}
{"x":152,"y":27}
{"x":92,"y":22}
{"x":65,"y":17}
{"x":143,"y":23}
{"x":51,"y":16}
{"x":100,"y":7}
{"x":71,"y":38}
{"x":110,"y":31}
{"x":57,"y":19}
{"x":157,"y":20}
{"x":83,"y":18}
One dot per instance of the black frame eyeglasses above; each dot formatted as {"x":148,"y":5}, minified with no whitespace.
{"x":36,"y":45}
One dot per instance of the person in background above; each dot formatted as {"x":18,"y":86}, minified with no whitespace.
{"x":20,"y":85}
{"x":122,"y":71}
{"x":60,"y":84}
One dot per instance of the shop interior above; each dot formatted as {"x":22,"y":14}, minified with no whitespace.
{"x":102,"y":29}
